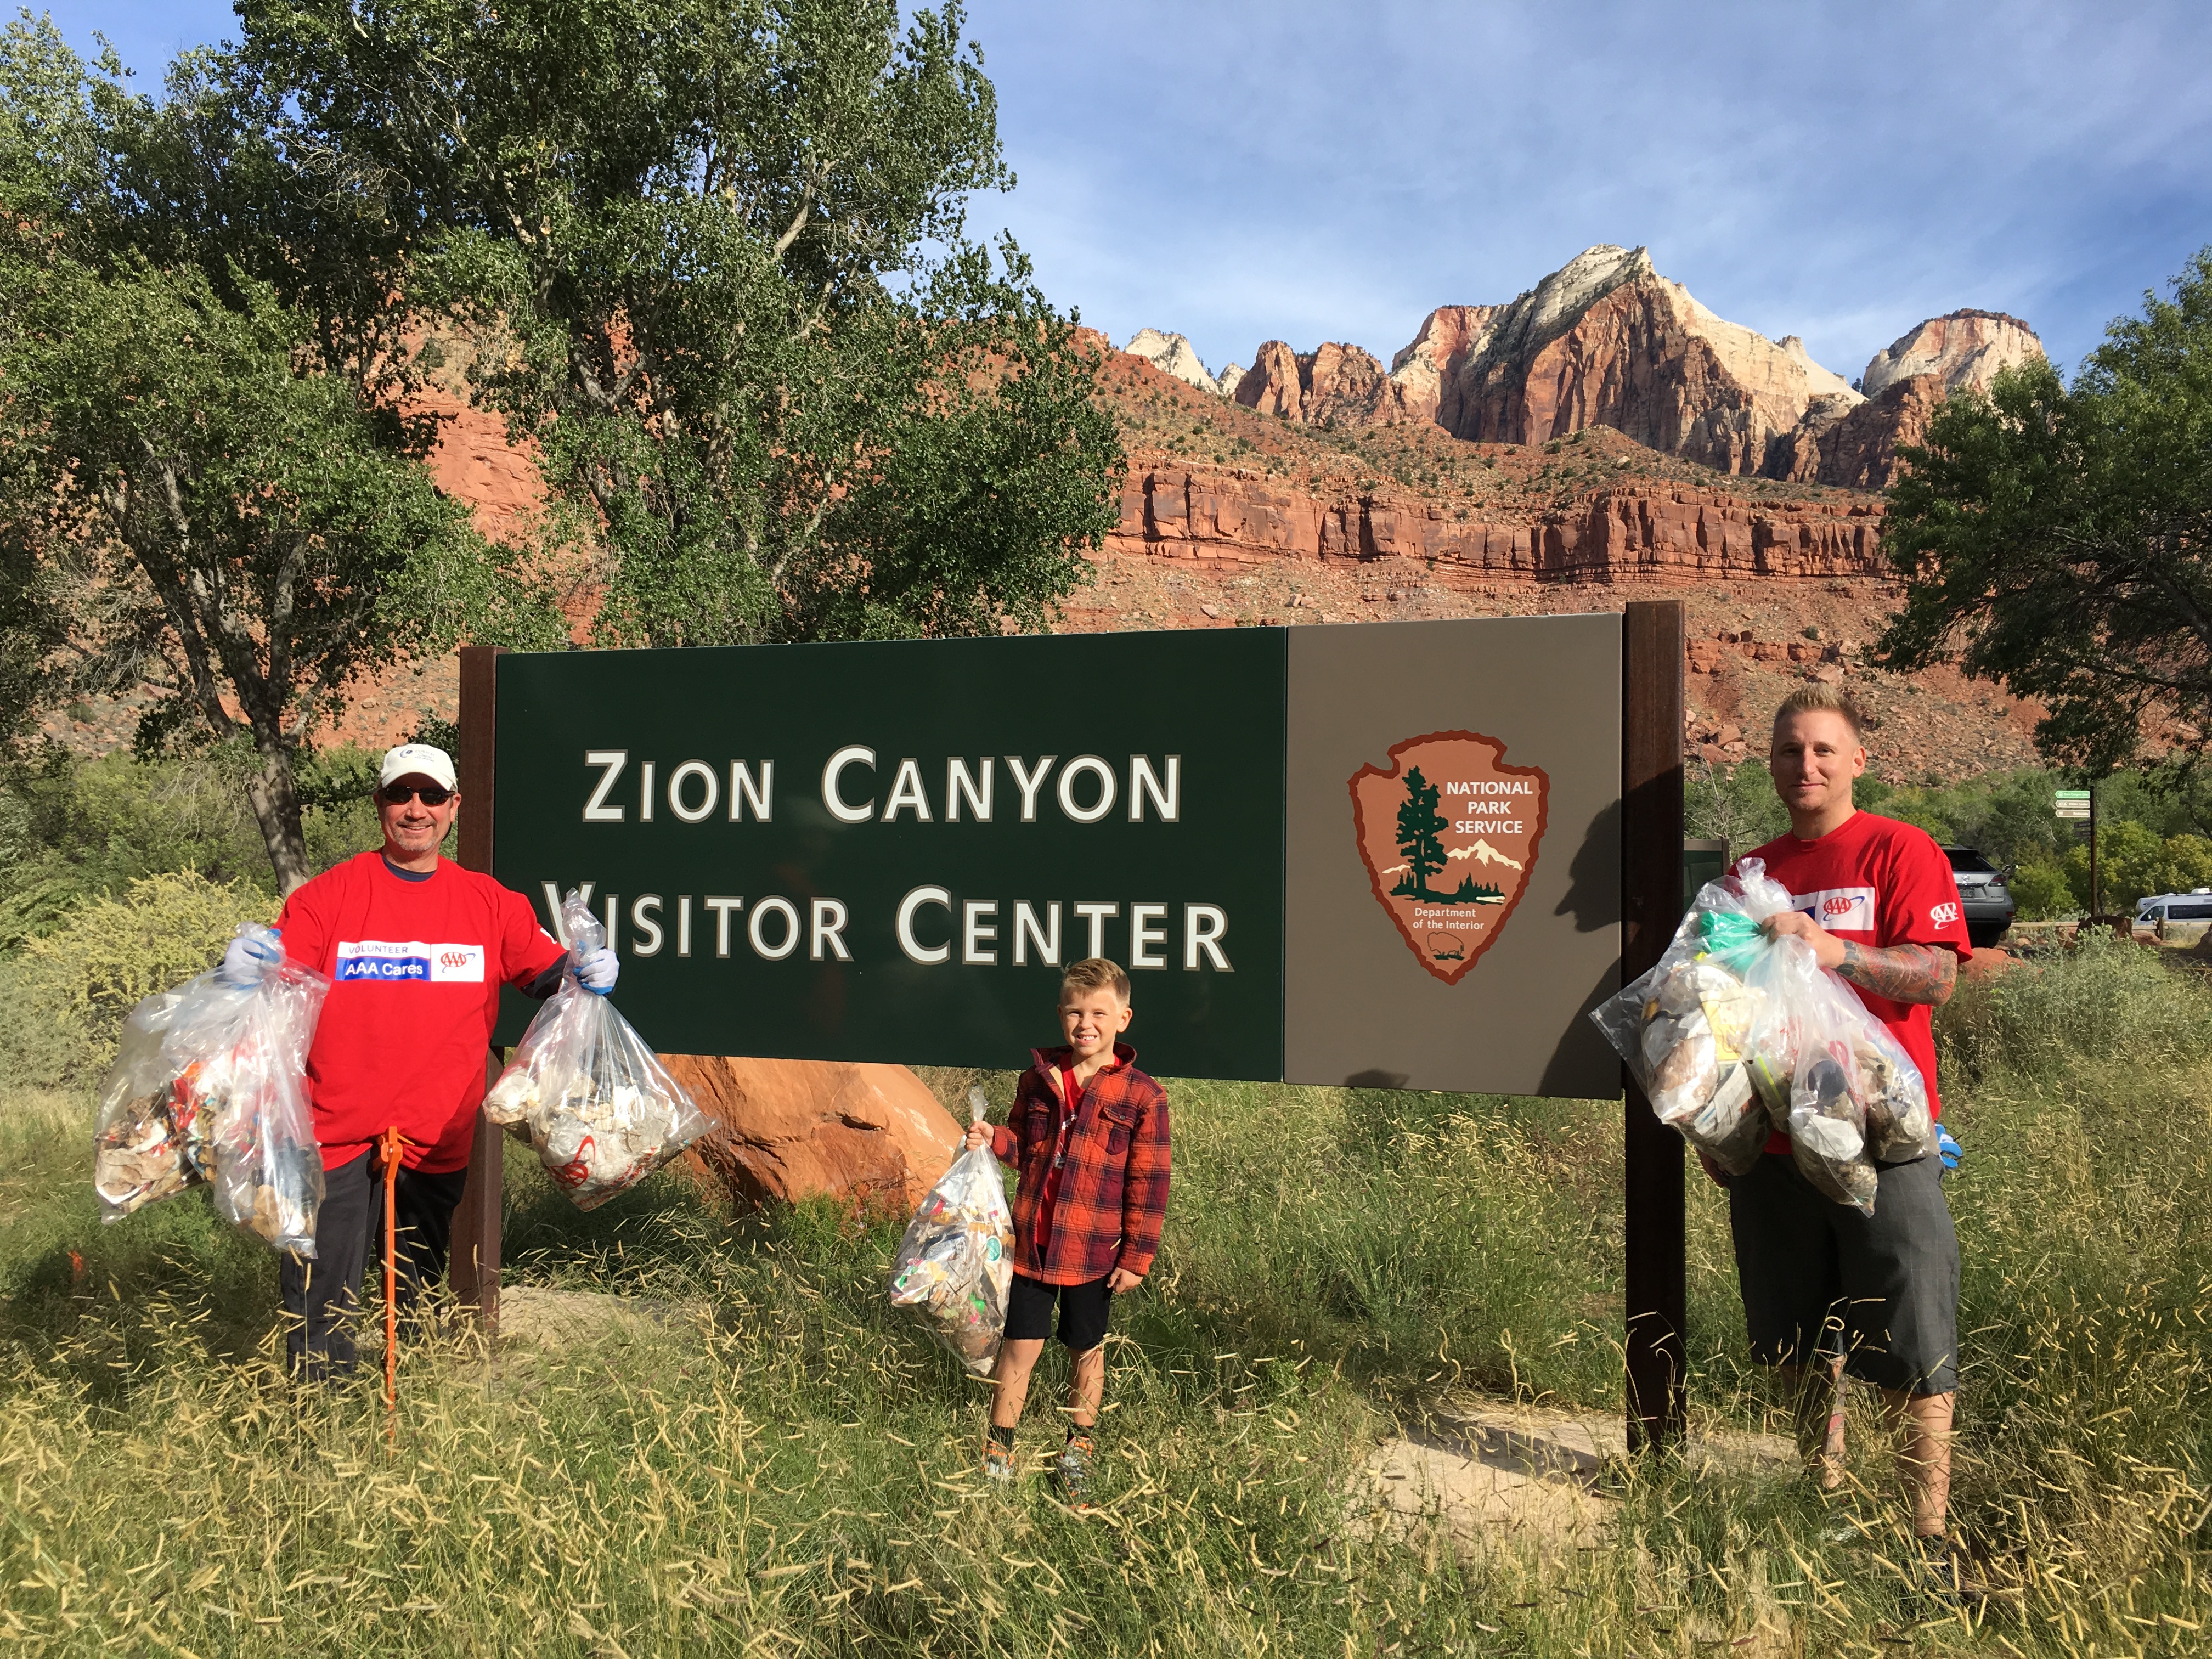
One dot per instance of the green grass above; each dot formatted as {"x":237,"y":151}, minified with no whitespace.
{"x":779,"y":1465}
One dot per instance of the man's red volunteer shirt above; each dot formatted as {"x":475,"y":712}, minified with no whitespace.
{"x":416,"y":969}
{"x":1876,"y":882}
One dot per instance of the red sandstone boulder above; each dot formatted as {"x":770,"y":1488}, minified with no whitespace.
{"x":790,"y":1129}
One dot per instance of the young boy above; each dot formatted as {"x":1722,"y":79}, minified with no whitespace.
{"x":1088,"y":1134}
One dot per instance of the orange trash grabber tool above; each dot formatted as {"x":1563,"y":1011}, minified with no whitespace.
{"x":389,"y":1146}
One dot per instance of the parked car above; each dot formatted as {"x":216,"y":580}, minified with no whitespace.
{"x":2166,"y":913}
{"x":1984,"y":894}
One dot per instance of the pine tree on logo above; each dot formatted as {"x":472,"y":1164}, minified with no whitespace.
{"x":1420,"y":829}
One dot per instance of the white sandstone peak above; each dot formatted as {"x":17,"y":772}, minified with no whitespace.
{"x":1171,"y":354}
{"x":1964,"y":348}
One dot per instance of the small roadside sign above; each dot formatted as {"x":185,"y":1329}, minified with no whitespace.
{"x":2071,"y":803}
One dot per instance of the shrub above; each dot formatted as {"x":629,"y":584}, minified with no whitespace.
{"x":2041,"y":891}
{"x":2106,"y":1000}
{"x":63,"y":999}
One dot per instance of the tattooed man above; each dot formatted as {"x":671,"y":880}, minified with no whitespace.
{"x":1827,"y":1291}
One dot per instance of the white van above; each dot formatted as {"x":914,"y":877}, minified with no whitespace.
{"x":2171,"y":915}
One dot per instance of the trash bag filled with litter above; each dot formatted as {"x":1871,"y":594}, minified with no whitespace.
{"x":207,"y":1088}
{"x":597,"y":1104}
{"x":1856,"y":1097}
{"x":1691,"y":1029}
{"x":955,"y":1261}
{"x":1734,"y":1033}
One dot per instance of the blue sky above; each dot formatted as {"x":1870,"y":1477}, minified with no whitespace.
{"x":1242,"y":171}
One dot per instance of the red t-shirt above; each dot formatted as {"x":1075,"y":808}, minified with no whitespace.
{"x":1877,"y":882}
{"x":416,"y":969}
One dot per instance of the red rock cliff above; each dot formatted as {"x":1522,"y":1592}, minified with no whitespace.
{"x":1641,"y":533}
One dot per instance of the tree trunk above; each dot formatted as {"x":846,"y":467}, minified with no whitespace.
{"x":275,"y":797}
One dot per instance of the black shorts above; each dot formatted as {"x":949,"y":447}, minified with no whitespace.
{"x":1082,"y":1311}
{"x":1819,"y":1278}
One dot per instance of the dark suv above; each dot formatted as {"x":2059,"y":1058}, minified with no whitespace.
{"x":1983,"y":894}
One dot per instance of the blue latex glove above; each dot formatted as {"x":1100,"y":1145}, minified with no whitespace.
{"x":251,"y":954}
{"x":1948,"y":1149}
{"x":596,"y":969}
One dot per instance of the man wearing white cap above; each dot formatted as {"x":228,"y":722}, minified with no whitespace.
{"x":416,"y":948}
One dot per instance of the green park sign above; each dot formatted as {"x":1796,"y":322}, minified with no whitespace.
{"x":1384,"y":853}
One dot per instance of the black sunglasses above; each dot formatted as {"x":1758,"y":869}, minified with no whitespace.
{"x":398,"y":795}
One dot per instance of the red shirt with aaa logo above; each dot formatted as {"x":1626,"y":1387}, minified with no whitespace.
{"x":416,"y":969}
{"x":1877,"y":882}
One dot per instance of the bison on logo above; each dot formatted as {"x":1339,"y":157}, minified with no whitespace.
{"x":1449,"y":835}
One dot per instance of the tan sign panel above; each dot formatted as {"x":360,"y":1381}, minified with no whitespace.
{"x":1452,"y":904}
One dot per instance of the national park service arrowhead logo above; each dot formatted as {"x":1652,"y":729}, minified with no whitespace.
{"x":1449,"y":834}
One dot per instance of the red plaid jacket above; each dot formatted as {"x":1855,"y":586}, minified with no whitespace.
{"x":1114,"y":1187}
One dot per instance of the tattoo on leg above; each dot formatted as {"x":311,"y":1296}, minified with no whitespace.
{"x":1902,"y":973}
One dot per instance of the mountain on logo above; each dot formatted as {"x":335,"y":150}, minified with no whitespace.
{"x":1483,"y":853}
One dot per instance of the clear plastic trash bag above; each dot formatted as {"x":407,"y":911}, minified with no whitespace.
{"x":209,"y":1087}
{"x":1732,"y":1031}
{"x":595,"y":1103}
{"x":1689,"y":1029}
{"x":1856,"y":1097}
{"x":955,"y":1261}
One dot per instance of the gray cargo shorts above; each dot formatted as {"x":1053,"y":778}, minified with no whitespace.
{"x":1817,"y":1278}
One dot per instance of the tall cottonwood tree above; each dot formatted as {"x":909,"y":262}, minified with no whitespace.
{"x":204,"y":485}
{"x":716,"y":250}
{"x":2059,"y":539}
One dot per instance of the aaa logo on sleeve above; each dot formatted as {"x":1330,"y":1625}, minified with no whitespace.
{"x":1449,"y":835}
{"x":409,"y":961}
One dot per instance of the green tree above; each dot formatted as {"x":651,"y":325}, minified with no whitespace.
{"x":2135,"y":861}
{"x":1421,"y":830}
{"x":716,"y":252}
{"x":203,"y":500}
{"x":2059,"y":541}
{"x":1734,"y":804}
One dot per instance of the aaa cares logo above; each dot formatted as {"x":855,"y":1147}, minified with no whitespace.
{"x":1449,"y":835}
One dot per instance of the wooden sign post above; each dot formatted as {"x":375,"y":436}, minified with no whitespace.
{"x":1651,"y":908}
{"x":475,"y":1250}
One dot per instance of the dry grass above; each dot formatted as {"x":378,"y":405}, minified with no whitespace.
{"x":783,"y":1469}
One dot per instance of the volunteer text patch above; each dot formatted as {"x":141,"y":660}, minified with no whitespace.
{"x":409,"y":959}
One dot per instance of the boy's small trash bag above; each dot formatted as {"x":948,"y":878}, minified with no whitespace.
{"x":1732,"y":1034}
{"x":956,"y":1261}
{"x":597,"y":1105}
{"x":207,"y":1088}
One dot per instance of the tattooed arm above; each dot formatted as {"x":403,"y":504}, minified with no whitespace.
{"x":1902,"y":973}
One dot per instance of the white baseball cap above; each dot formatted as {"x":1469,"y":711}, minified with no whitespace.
{"x":416,"y":759}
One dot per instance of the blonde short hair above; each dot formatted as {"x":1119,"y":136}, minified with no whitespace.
{"x":1824,"y":699}
{"x":1094,"y":973}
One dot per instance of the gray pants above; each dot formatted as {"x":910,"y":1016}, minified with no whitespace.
{"x":1820,"y":1278}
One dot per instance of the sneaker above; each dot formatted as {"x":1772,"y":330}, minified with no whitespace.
{"x":998,"y":1462}
{"x":1072,"y":1471}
